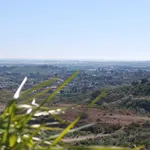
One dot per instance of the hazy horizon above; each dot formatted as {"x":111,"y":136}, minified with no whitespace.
{"x":90,"y":60}
{"x":75,"y":30}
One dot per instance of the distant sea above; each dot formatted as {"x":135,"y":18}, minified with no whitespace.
{"x":9,"y":62}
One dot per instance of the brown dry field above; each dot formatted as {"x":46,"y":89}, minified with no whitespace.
{"x":103,"y":116}
{"x":96,"y":115}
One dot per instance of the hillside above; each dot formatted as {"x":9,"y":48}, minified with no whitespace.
{"x":121,"y":117}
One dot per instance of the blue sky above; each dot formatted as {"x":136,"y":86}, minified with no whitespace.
{"x":75,"y":29}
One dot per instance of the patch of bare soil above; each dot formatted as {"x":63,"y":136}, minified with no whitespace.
{"x":97,"y":115}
